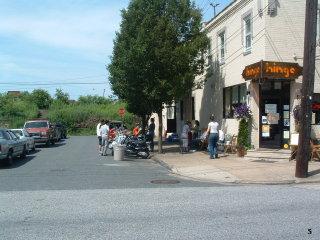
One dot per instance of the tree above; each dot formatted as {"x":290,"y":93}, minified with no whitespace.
{"x":157,"y":54}
{"x":61,"y":96}
{"x":94,"y":99}
{"x":41,"y":98}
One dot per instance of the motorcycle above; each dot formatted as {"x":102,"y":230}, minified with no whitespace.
{"x":135,"y":145}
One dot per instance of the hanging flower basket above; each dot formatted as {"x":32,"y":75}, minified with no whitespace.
{"x":243,"y":114}
{"x":296,"y":116}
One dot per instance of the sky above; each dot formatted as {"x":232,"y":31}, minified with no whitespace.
{"x":63,"y":44}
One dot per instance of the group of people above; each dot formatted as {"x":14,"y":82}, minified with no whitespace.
{"x":103,"y":136}
{"x":212,"y":135}
{"x":188,"y":133}
{"x":104,"y":132}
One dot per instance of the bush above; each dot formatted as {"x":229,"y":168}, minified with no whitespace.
{"x":243,"y":134}
{"x":83,"y":119}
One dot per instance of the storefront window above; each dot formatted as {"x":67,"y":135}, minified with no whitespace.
{"x":227,"y":103}
{"x":233,"y":97}
{"x":243,"y":90}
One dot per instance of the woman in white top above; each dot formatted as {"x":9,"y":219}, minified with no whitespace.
{"x":184,"y":135}
{"x":213,"y":133}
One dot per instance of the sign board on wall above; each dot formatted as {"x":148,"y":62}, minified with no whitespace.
{"x":265,"y":131}
{"x":272,"y":70}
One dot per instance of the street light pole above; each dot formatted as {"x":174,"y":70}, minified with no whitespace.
{"x":303,"y":153}
{"x":214,"y":8}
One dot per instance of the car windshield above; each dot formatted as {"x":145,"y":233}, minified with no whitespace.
{"x":36,"y":125}
{"x":18,"y":132}
{"x":115,"y":125}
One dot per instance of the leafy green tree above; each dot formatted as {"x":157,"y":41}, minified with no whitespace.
{"x":93,"y":99}
{"x":41,"y":98}
{"x":61,"y":96}
{"x":157,"y":54}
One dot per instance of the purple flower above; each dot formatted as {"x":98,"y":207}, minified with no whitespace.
{"x":296,"y":112}
{"x":243,"y":112}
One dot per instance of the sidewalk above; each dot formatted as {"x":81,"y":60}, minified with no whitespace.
{"x":257,"y":167}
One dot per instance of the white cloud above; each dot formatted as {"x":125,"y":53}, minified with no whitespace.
{"x":90,"y":30}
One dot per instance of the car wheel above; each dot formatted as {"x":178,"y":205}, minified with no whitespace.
{"x":48,"y":143}
{"x":24,"y":153}
{"x":10,"y":159}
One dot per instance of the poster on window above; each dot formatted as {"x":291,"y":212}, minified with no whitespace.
{"x":264,"y":119}
{"x":285,"y":107}
{"x":286,"y":122}
{"x":285,"y":114}
{"x":286,"y":134}
{"x":265,"y":131}
{"x":271,"y":108}
{"x":273,"y":118}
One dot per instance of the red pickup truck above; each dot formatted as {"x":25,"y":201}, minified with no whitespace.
{"x":41,"y":130}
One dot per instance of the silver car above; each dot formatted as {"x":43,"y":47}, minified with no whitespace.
{"x":11,"y":146}
{"x":23,"y":134}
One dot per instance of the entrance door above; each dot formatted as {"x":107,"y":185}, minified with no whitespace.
{"x":171,"y":119}
{"x":274,"y":113}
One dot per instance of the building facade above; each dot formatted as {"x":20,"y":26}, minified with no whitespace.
{"x":255,"y":58}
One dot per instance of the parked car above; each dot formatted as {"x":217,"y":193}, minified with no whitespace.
{"x":23,"y":134}
{"x":11,"y":146}
{"x":42,"y":131}
{"x":115,"y":124}
{"x":61,"y":131}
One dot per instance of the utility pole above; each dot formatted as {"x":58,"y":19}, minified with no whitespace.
{"x":303,"y":153}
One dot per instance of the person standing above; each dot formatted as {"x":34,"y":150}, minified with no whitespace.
{"x":99,"y":135}
{"x":136,"y":130}
{"x":196,"y":130}
{"x":213,"y":134}
{"x":104,"y":131}
{"x":185,"y":136}
{"x":152,"y":127}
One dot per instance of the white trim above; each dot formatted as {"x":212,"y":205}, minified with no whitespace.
{"x":244,"y":18}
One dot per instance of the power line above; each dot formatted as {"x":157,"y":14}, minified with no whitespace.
{"x":238,"y":31}
{"x":52,"y":84}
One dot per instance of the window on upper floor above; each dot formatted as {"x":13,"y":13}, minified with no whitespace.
{"x":233,"y":97}
{"x":222,"y":46}
{"x":247,"y":33}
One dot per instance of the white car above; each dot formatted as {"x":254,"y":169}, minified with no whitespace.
{"x":23,"y":134}
{"x":11,"y":146}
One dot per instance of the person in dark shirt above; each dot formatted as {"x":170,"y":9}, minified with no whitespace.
{"x":152,"y":127}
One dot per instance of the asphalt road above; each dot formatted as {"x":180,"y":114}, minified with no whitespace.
{"x":74,"y":163}
{"x":69,"y":192}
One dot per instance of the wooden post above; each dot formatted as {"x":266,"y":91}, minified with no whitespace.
{"x":303,"y":153}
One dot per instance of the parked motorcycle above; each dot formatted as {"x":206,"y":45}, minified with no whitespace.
{"x":136,"y":146}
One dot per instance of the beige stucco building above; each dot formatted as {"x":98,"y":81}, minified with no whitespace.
{"x":245,"y":33}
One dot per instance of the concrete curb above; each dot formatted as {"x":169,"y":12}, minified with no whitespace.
{"x":238,"y":181}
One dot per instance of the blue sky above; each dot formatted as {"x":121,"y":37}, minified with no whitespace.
{"x":63,"y":44}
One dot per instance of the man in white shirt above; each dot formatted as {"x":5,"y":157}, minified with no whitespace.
{"x":104,"y":131}
{"x":99,"y":134}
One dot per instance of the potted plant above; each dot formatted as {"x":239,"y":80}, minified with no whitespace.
{"x":243,"y":114}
